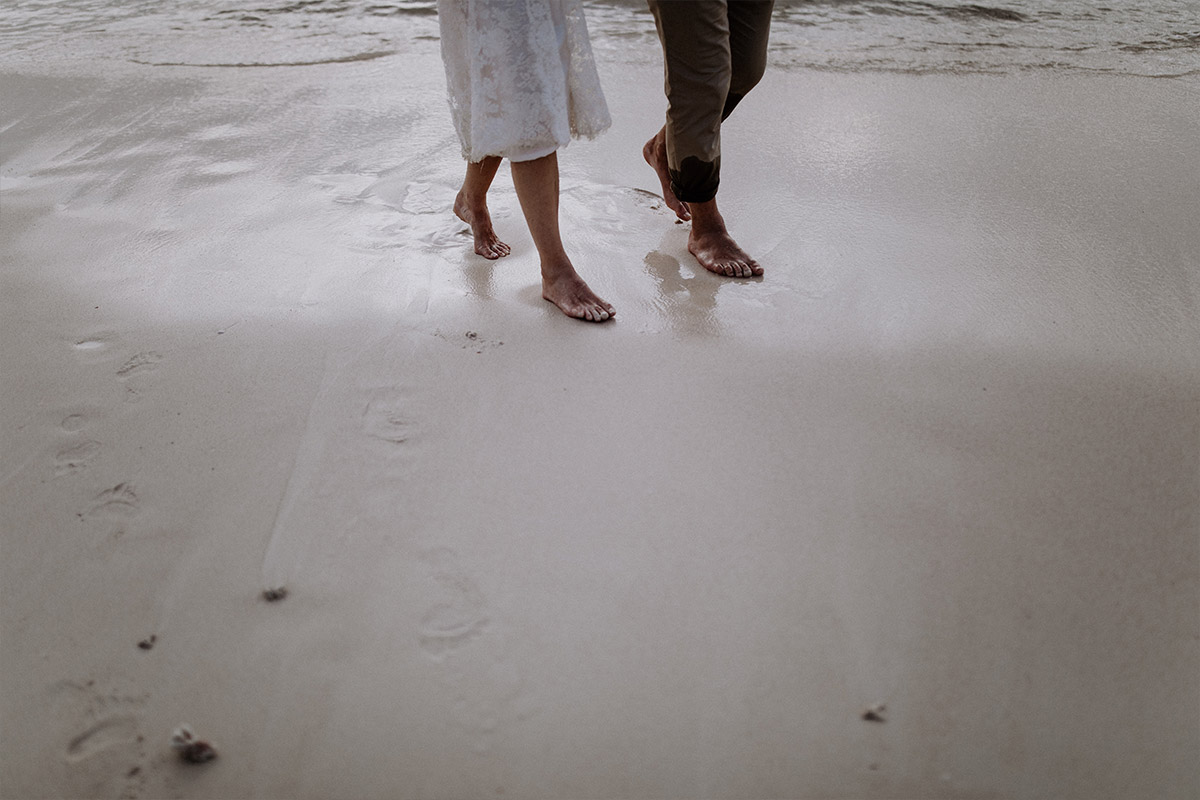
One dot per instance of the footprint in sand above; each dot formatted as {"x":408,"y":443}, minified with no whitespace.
{"x":140,"y":364}
{"x":113,"y":510}
{"x":476,"y":659}
{"x":73,"y":423}
{"x":384,"y":417}
{"x":75,"y":457}
{"x":107,"y":750}
{"x":447,"y":627}
{"x":100,"y":736}
{"x":78,"y":453}
{"x":95,"y":348}
{"x":121,"y":500}
{"x":460,"y":616}
{"x":137,"y":374}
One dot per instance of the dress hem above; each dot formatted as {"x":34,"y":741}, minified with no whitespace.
{"x":540,"y":152}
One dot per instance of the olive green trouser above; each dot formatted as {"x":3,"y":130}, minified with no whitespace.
{"x":714,"y":53}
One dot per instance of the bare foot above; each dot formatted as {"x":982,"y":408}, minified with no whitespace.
{"x":655,"y":153}
{"x":715,"y":249}
{"x":573,"y":296}
{"x":719,"y":253}
{"x":487,"y":244}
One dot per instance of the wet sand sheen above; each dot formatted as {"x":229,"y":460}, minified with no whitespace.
{"x":943,"y":457}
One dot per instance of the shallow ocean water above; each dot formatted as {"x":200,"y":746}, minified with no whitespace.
{"x":1141,"y":37}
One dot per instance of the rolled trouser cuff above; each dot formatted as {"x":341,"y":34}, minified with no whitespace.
{"x":696,"y":181}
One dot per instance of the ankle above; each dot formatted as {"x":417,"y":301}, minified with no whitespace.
{"x":474,"y":202}
{"x":556,"y":269}
{"x":706,"y":218}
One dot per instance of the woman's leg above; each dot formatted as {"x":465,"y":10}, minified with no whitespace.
{"x":537,"y":189}
{"x":471,"y":207}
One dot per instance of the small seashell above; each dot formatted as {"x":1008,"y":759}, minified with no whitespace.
{"x":198,"y":752}
{"x":191,"y":749}
{"x":182,"y":737}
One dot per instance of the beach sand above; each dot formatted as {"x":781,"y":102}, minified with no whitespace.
{"x":944,"y":456}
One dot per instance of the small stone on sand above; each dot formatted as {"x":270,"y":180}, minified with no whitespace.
{"x":875,"y":713}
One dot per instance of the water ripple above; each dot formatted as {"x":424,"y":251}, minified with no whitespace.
{"x":1138,"y":37}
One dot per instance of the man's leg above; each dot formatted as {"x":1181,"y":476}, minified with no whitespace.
{"x":696,"y":71}
{"x":749,"y":29}
{"x":696,"y":39}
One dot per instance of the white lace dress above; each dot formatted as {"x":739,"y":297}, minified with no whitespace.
{"x":521,"y":77}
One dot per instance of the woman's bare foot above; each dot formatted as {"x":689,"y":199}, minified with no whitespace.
{"x":714,"y":248}
{"x":655,"y":153}
{"x":487,"y":244}
{"x":563,"y":287}
{"x":536,"y":183}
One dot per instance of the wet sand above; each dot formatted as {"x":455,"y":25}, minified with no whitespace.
{"x":944,"y":456}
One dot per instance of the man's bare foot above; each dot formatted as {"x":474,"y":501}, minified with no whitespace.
{"x":655,"y":153}
{"x":714,"y":248}
{"x":573,"y":296}
{"x":718,"y":252}
{"x":487,"y":244}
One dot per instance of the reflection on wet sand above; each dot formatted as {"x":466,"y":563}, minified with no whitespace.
{"x":689,"y":304}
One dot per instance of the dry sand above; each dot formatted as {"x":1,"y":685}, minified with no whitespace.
{"x":945,"y":456}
